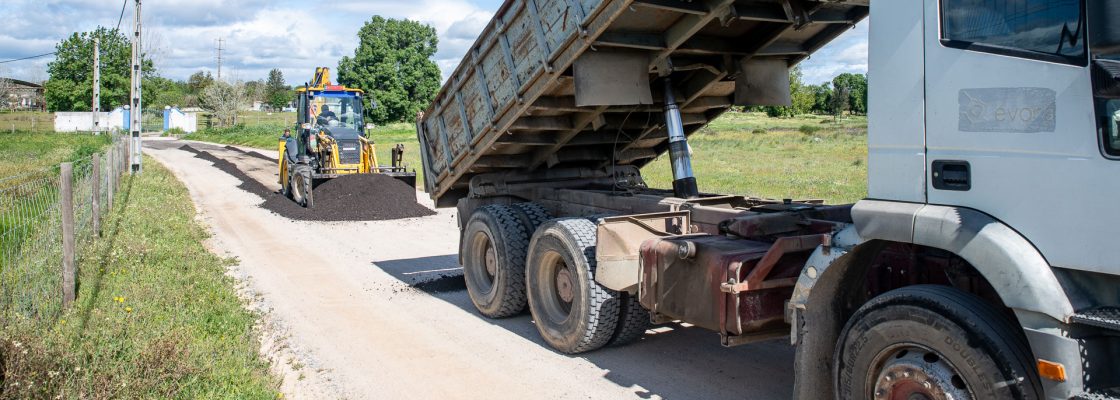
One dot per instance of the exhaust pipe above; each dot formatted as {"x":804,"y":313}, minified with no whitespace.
{"x":684,"y":182}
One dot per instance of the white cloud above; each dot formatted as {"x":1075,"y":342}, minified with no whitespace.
{"x":259,"y":35}
{"x":848,"y":53}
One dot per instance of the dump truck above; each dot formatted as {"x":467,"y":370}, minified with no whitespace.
{"x":980,"y":266}
{"x":331,"y":140}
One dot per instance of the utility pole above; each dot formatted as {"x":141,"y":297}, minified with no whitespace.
{"x":220,"y":40}
{"x":137,"y":104}
{"x":96,"y":106}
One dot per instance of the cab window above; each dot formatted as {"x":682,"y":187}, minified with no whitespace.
{"x":1051,"y":30}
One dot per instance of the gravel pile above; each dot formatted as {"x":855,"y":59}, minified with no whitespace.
{"x":371,"y":197}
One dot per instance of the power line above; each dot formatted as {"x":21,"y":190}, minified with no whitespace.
{"x":121,"y":18}
{"x":28,"y":58}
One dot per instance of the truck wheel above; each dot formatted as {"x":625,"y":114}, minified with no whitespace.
{"x":633,"y":321}
{"x":533,"y":215}
{"x":494,"y":246}
{"x":932,"y":342}
{"x":573,"y":313}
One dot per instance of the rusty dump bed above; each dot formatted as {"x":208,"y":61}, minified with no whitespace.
{"x":579,"y":83}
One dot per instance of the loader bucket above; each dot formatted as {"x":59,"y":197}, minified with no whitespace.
{"x":406,"y":177}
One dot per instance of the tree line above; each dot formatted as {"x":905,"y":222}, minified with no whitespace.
{"x":393,"y":64}
{"x":846,"y":93}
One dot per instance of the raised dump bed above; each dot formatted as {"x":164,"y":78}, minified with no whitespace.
{"x":579,"y":83}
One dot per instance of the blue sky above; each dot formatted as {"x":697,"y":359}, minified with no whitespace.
{"x":293,"y":36}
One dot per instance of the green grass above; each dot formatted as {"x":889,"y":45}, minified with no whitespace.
{"x":156,"y":315}
{"x":26,"y":121}
{"x":751,"y":154}
{"x":23,"y":151}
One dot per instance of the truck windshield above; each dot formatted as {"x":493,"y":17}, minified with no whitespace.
{"x":336,"y":110}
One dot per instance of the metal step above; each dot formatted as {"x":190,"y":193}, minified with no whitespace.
{"x":1108,"y":394}
{"x":1104,"y":317}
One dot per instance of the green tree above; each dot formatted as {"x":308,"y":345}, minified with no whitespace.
{"x":393,"y":65}
{"x":161,"y":92}
{"x":855,"y":85}
{"x":198,"y":82}
{"x":70,"y":86}
{"x":255,"y":91}
{"x":822,"y":99}
{"x":277,"y":93}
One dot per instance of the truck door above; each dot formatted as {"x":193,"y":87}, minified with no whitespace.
{"x":1011,"y":128}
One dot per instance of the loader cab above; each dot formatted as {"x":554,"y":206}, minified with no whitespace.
{"x":331,"y":108}
{"x":1007,"y":108}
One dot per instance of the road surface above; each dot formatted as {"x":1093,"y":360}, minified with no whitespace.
{"x":378,"y":310}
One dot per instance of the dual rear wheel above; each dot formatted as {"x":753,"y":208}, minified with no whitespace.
{"x":514,"y":256}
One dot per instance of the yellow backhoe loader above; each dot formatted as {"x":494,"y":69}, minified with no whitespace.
{"x":330,"y":139}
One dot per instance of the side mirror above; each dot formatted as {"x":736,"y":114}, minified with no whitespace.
{"x":1104,"y":26}
{"x":369,"y":127}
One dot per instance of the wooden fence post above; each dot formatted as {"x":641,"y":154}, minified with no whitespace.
{"x":110,"y":182}
{"x":66,"y":205}
{"x":95,"y":207}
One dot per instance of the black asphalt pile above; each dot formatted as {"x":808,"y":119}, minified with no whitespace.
{"x":443,"y":284}
{"x":252,"y":154}
{"x":371,"y":197}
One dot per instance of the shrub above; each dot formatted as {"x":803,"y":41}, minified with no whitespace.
{"x":808,"y":129}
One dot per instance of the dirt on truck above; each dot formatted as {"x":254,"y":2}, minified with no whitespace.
{"x":949,"y":281}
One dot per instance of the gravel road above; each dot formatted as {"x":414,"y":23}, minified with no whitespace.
{"x":378,"y":310}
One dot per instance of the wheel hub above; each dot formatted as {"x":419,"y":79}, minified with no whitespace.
{"x":491,"y":261}
{"x":564,"y":285}
{"x":919,"y":374}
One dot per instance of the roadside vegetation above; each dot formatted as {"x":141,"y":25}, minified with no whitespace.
{"x":26,"y":121}
{"x":808,"y":157}
{"x":22,"y":151}
{"x":156,"y":315}
{"x":747,"y":153}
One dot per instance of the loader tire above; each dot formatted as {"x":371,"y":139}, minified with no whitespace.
{"x":495,"y":242}
{"x":303,"y":184}
{"x":933,"y":342}
{"x":573,"y":313}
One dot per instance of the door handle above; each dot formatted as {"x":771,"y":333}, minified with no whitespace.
{"x":952,"y":175}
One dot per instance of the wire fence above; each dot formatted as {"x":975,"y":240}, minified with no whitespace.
{"x":47,"y":216}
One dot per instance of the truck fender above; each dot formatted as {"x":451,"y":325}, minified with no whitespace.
{"x":1020,"y":274}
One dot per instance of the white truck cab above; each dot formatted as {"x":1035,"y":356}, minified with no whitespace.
{"x":993,"y":143}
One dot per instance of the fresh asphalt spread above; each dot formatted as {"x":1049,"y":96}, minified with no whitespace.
{"x":369,"y":197}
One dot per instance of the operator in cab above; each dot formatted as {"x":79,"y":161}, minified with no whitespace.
{"x":325,"y":116}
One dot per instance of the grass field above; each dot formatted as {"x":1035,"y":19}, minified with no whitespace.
{"x":24,"y":151}
{"x":156,"y":316}
{"x":26,"y":121}
{"x":809,"y":157}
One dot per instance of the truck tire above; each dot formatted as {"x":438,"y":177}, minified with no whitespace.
{"x":494,"y":245}
{"x":533,"y":215}
{"x":933,"y":342}
{"x":633,"y":321}
{"x":573,"y":313}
